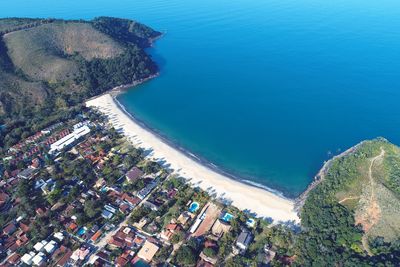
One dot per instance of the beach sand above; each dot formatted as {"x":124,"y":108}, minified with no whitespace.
{"x":243,"y":196}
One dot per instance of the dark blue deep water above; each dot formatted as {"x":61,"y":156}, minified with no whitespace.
{"x":266,"y":89}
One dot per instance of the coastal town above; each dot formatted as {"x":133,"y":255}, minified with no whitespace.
{"x":79,"y":193}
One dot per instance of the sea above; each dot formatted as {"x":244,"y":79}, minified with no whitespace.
{"x":266,"y":90}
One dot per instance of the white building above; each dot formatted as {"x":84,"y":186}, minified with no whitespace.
{"x":40,"y":245}
{"x":59,"y":236}
{"x":50,"y":247}
{"x":38,"y":259}
{"x":27,"y":258}
{"x":69,"y":139}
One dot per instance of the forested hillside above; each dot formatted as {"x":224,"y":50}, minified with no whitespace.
{"x":352,"y":217}
{"x":49,"y":65}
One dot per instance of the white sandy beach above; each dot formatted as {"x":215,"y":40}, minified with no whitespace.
{"x":243,"y":196}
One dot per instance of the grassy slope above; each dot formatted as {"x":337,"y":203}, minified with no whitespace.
{"x":42,"y":52}
{"x":356,"y":190}
{"x":42,"y":59}
{"x":355,"y":211}
{"x":10,"y":24}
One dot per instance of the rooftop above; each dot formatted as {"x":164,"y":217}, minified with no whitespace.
{"x":148,"y":251}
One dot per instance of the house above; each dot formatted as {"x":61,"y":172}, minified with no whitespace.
{"x":145,"y":191}
{"x":9,"y":229}
{"x":110,"y":208}
{"x":131,"y":200}
{"x":24,"y":227}
{"x":96,"y":236}
{"x":80,"y":254}
{"x":124,"y":258}
{"x":3,"y":198}
{"x":14,"y":259}
{"x":244,"y":240}
{"x":124,"y":237}
{"x":59,"y":236}
{"x":138,"y":241}
{"x":171,"y":193}
{"x":203,"y":263}
{"x":73,"y":227}
{"x":107,"y":214}
{"x":210,"y":260}
{"x":27,"y":174}
{"x":50,"y":247}
{"x":27,"y":258}
{"x":121,"y":262}
{"x":116,"y":242}
{"x":219,"y":228}
{"x":124,"y":208}
{"x":41,"y":211}
{"x":35,"y":163}
{"x":148,"y":251}
{"x":150,"y":205}
{"x":39,"y":246}
{"x":134,"y":174}
{"x":185,"y":217}
{"x":169,"y":231}
{"x":38,"y":259}
{"x":59,"y":255}
{"x":65,"y":258}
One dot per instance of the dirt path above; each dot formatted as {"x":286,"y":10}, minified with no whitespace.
{"x":373,"y":211}
{"x":347,"y":198}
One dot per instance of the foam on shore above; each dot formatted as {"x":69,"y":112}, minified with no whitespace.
{"x":244,"y":196}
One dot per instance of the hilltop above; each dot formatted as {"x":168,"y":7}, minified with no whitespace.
{"x":54,"y":64}
{"x":352,"y":214}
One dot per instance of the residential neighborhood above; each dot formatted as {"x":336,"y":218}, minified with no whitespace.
{"x":78,"y":193}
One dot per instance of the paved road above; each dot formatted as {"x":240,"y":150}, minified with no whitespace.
{"x":104,"y":239}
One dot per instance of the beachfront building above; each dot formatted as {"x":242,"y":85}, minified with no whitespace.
{"x":145,"y":191}
{"x":220,"y":228}
{"x":133,"y":174}
{"x":244,"y":240}
{"x":69,"y":139}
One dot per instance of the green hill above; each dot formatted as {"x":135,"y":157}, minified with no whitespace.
{"x":352,"y":216}
{"x":58,"y":63}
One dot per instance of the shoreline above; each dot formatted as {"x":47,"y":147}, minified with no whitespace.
{"x":198,"y":158}
{"x":224,"y":186}
{"x":320,"y":176}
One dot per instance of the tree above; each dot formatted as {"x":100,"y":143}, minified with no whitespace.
{"x":210,"y":252}
{"x":91,"y":208}
{"x":177,"y":237}
{"x":151,"y":167}
{"x":185,"y":256}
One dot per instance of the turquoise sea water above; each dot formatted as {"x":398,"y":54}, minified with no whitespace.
{"x":266,"y":89}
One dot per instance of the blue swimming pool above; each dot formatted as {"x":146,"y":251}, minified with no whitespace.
{"x":250,"y":222}
{"x":227,"y":217}
{"x":81,"y":231}
{"x":194,"y":207}
{"x":141,"y":263}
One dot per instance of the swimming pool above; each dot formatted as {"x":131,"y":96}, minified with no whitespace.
{"x":227,"y":217}
{"x":194,"y":207}
{"x":141,"y":263}
{"x":250,"y":223}
{"x":81,"y":231}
